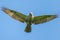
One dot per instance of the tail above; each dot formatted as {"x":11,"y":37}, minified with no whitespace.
{"x":28,"y":28}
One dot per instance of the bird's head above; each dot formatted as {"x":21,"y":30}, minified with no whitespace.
{"x":31,"y":14}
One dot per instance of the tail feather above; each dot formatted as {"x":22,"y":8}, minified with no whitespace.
{"x":28,"y":28}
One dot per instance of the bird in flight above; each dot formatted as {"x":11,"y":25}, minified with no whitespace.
{"x":28,"y":19}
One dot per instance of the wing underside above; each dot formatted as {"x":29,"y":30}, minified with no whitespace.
{"x":43,"y":19}
{"x":16,"y":15}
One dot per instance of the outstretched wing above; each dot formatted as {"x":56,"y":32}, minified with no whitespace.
{"x":43,"y":19}
{"x":16,"y":15}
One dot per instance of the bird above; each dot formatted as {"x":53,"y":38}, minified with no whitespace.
{"x":30,"y":19}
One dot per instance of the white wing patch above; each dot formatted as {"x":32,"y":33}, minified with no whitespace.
{"x":50,"y":18}
{"x":9,"y":12}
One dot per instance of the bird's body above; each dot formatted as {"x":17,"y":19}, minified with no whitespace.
{"x":28,"y":19}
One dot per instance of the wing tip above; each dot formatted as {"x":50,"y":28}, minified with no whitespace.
{"x":56,"y":16}
{"x":3,"y":8}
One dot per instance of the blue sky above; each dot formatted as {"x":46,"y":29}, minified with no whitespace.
{"x":11,"y":29}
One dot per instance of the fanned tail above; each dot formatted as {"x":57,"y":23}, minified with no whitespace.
{"x":28,"y":28}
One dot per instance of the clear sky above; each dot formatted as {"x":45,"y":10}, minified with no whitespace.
{"x":11,"y":29}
